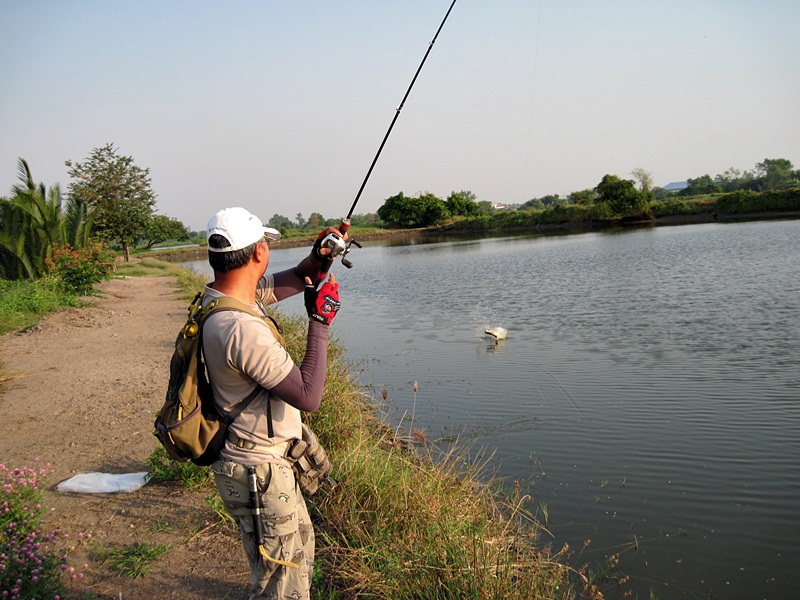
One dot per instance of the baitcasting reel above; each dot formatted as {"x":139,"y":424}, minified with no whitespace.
{"x":336,"y":244}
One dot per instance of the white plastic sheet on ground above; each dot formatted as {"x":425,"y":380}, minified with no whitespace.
{"x":103,"y":483}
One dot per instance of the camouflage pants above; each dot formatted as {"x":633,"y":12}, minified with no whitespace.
{"x":287,"y":531}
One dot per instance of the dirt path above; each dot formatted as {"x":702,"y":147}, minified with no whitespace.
{"x":90,"y":382}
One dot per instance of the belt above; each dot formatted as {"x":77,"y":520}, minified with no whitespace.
{"x":278,"y":449}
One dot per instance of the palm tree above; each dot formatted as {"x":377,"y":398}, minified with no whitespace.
{"x":15,"y":260}
{"x":33,"y":223}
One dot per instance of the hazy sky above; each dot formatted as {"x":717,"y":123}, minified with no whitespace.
{"x":280,"y":106}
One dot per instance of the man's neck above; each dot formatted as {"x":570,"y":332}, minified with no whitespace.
{"x":235,"y":285}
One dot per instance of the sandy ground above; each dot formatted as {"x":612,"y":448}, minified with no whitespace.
{"x":89,"y":382}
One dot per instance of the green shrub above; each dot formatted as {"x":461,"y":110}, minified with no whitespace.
{"x":745,"y":201}
{"x":601,"y":211}
{"x":677,"y":206}
{"x":566,"y":213}
{"x":79,"y":269}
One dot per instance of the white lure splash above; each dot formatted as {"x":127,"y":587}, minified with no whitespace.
{"x":498,"y":333}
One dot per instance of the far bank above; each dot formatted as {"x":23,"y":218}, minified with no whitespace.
{"x":454,"y":230}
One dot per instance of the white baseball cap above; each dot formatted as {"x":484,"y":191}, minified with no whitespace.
{"x":240,"y":227}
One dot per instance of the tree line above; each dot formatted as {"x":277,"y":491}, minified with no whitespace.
{"x":316,"y":221}
{"x":614,"y":198}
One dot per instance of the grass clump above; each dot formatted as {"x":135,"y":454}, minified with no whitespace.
{"x":33,"y":563}
{"x":133,"y":561}
{"x":163,"y":470}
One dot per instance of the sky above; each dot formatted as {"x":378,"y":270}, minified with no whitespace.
{"x":281,"y":106}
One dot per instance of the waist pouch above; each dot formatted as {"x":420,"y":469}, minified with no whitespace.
{"x":309,"y":461}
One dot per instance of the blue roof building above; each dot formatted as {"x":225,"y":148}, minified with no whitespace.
{"x":676,"y":186}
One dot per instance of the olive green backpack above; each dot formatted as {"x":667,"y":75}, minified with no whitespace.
{"x":190,"y":426}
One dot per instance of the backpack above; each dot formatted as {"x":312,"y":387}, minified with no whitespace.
{"x":190,"y":425}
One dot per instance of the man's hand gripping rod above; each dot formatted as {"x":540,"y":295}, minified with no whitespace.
{"x":335,"y":243}
{"x":338,"y":247}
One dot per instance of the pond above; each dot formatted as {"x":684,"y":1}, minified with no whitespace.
{"x":647,"y":396}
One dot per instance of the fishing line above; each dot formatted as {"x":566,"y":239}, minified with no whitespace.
{"x":334,"y":242}
{"x":558,"y":384}
{"x":397,"y":114}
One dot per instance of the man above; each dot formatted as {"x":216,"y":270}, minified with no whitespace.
{"x":243,"y":352}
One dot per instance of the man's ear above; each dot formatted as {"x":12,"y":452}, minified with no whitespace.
{"x":260,"y":253}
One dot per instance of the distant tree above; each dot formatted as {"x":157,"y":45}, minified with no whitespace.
{"x":552,"y":200}
{"x":315,"y":220}
{"x":547,"y":201}
{"x":644,"y":178}
{"x":398,"y":211}
{"x":774,"y":173}
{"x":117,"y":193}
{"x":701,"y":185}
{"x":622,"y":197}
{"x":161,"y":228}
{"x":532,"y":204}
{"x":661,"y":194}
{"x":487,"y":208}
{"x":434,"y":209}
{"x":734,"y":179}
{"x":403,"y":211}
{"x":279,"y":221}
{"x":582,"y":197}
{"x":365,"y":220}
{"x":301,"y":223}
{"x":463,"y":203}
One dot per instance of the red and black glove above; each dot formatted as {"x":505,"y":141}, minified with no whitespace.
{"x":323,"y":304}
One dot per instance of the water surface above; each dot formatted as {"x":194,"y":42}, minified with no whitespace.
{"x":647,"y":397}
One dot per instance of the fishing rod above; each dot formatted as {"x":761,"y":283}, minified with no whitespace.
{"x":336,"y":243}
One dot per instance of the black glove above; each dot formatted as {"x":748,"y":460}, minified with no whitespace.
{"x":315,"y":250}
{"x":323,"y":304}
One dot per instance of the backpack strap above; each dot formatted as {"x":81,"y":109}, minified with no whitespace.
{"x":231,"y":415}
